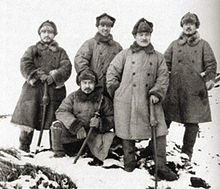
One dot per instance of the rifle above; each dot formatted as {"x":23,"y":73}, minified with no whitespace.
{"x":153,"y":124}
{"x":97,"y":114}
{"x":45,"y":102}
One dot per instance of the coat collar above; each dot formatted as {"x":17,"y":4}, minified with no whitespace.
{"x":190,"y":40}
{"x":103,"y":39}
{"x":53,"y":46}
{"x":136,"y":48}
{"x":92,"y":97}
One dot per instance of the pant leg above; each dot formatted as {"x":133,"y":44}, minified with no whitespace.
{"x":161,"y":150}
{"x":168,"y":122}
{"x":25,"y":140}
{"x":189,"y":139}
{"x":129,"y":155}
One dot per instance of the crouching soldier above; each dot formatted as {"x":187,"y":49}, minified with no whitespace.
{"x":135,"y":77}
{"x":76,"y":115}
{"x":42,"y":63}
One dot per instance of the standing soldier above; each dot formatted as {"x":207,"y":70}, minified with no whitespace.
{"x":192,"y":68}
{"x":43,"y":62}
{"x":135,"y":77}
{"x":97,"y":53}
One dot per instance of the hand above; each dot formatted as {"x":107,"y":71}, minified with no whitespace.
{"x":81,"y":134}
{"x":49,"y":79}
{"x":210,"y":84}
{"x":154,"y":99}
{"x":94,"y":122}
{"x":43,"y":77}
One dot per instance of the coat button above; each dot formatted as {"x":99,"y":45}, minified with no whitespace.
{"x":193,"y":61}
{"x":195,"y":51}
{"x":179,"y":50}
{"x":179,"y":61}
{"x":133,"y":73}
{"x":148,"y":74}
{"x":98,"y":43}
{"x":150,"y":63}
{"x":146,"y":85}
{"x":134,"y":85}
{"x":133,"y":62}
{"x":100,"y":53}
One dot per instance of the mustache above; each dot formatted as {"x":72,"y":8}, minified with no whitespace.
{"x":188,"y":29}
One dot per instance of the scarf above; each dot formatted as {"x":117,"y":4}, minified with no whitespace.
{"x":104,"y":39}
{"x":53,"y":46}
{"x":136,"y":48}
{"x":191,"y":40}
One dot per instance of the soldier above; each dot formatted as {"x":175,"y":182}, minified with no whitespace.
{"x":135,"y":77}
{"x":97,"y":53}
{"x":43,"y":62}
{"x":192,"y":68}
{"x":76,"y":115}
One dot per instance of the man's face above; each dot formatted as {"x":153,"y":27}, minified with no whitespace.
{"x":87,"y":86}
{"x":47,"y":34}
{"x":143,"y":39}
{"x":104,"y":29}
{"x":189,"y":28}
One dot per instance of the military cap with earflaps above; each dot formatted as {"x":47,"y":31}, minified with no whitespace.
{"x":86,"y":74}
{"x":142,"y":26}
{"x":106,"y":18}
{"x":190,"y":17}
{"x":48,"y":23}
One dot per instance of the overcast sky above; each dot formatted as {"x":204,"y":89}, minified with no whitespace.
{"x":75,"y":20}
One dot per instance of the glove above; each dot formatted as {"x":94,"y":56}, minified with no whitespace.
{"x":210,"y":84}
{"x":94,"y":122}
{"x":81,"y":133}
{"x":49,"y":79}
{"x":154,"y":99}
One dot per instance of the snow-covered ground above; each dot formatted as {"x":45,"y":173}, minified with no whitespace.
{"x":205,"y":162}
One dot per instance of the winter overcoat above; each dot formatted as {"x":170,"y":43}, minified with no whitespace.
{"x":38,"y":59}
{"x":96,"y":55}
{"x":79,"y":107}
{"x":187,"y":97}
{"x":137,"y":75}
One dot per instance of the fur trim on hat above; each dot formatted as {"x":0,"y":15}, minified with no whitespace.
{"x":190,"y":40}
{"x":146,"y":26}
{"x":190,"y":17}
{"x":50,"y":23}
{"x":105,"y":15}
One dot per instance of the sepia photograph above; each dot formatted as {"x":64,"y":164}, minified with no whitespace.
{"x":107,"y":94}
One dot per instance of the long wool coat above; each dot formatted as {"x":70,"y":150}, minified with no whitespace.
{"x":81,"y":107}
{"x":39,"y":59}
{"x":97,"y":54}
{"x":137,"y":75}
{"x":187,"y":97}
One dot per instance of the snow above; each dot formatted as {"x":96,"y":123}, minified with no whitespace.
{"x":205,"y":161}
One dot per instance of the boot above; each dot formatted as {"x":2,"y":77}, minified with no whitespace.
{"x":25,"y":140}
{"x":164,"y":172}
{"x":189,"y":139}
{"x":129,"y":155}
{"x":57,"y":146}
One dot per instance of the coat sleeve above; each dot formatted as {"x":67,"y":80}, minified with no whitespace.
{"x":114,"y":73}
{"x":83,"y":57}
{"x":61,"y":74}
{"x":107,"y":115}
{"x":168,"y":56}
{"x":27,"y":66}
{"x":162,"y":80}
{"x":65,"y":114}
{"x":209,"y":62}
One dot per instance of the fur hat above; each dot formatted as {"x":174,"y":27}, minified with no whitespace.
{"x":48,"y":23}
{"x":190,"y":17}
{"x":142,"y":26}
{"x":105,"y":18}
{"x":86,"y":74}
